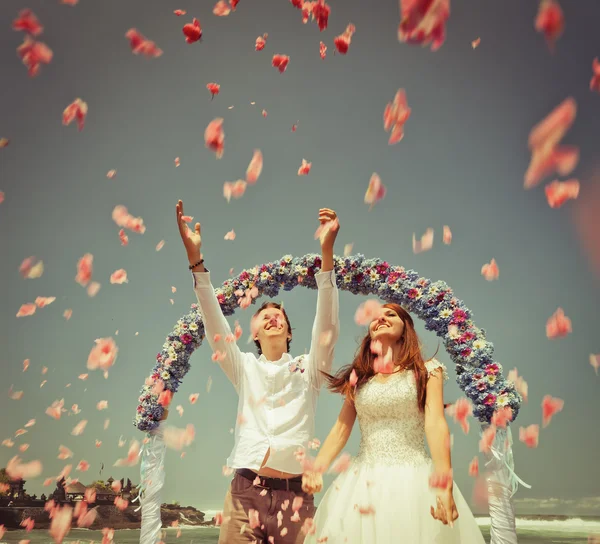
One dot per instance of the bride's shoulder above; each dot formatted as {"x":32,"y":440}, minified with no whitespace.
{"x":434,"y":366}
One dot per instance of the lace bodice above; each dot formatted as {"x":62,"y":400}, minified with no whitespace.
{"x":391,"y":425}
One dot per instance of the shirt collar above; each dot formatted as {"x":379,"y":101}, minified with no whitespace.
{"x":285,"y":358}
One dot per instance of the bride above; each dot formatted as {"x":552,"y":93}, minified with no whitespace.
{"x":387,"y":494}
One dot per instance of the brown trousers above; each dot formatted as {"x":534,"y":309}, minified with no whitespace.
{"x":243,"y":496}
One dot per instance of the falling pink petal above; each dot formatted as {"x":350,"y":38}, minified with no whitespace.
{"x":56,"y":409}
{"x":424,"y":244}
{"x":322,"y":50}
{"x":341,"y":464}
{"x":214,"y":137}
{"x":103,"y":355}
{"x":304,"y":168}
{"x":423,"y":22}
{"x":595,"y":362}
{"x":67,"y":314}
{"x":213,"y":88}
{"x":79,"y":428}
{"x":26,"y":310}
{"x":558,"y":325}
{"x":550,"y":21}
{"x":475,"y":43}
{"x":342,"y":42}
{"x":194,"y":398}
{"x":33,"y":54}
{"x":502,"y":417}
{"x":60,"y":525}
{"x":547,"y":155}
{"x":550,"y":407}
{"x":530,"y":435}
{"x":260,"y":43}
{"x":280,"y":62}
{"x":16,"y":470}
{"x":490,"y":270}
{"x":165,"y":398}
{"x":28,"y":22}
{"x":177,"y":439}
{"x":595,"y":81}
{"x":520,"y":384}
{"x":119,"y":277}
{"x":474,"y":467}
{"x":324,"y":228}
{"x":221,"y":9}
{"x":141,"y":45}
{"x":84,"y":269}
{"x":461,"y":410}
{"x":558,"y":192}
{"x":255,"y":167}
{"x":82,"y":466}
{"x":487,"y":439}
{"x":132,"y":458}
{"x":102,"y":405}
{"x":122,"y":217}
{"x":77,"y":110}
{"x":440,"y":480}
{"x":30,"y":269}
{"x":64,"y":452}
{"x":395,"y":115}
{"x":376,"y":190}
{"x":42,"y":302}
{"x":230,"y":235}
{"x":447,"y":235}
{"x":111,"y":174}
{"x":160,"y":245}
{"x":123,"y":238}
{"x":367,"y":312}
{"x":93,"y":288}
{"x":235,"y":189}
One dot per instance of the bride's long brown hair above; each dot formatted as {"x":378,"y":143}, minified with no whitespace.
{"x":410,"y":358}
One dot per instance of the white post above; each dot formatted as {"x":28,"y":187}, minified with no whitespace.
{"x":502,"y":484}
{"x":152,"y":471}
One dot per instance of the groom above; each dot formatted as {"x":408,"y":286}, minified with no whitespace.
{"x":277,"y":399}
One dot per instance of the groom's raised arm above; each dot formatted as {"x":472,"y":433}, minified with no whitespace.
{"x":229,"y":356}
{"x":326,"y":328}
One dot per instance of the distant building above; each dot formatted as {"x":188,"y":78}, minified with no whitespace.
{"x":75,"y":491}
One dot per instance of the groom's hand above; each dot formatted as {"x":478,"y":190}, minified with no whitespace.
{"x":331,"y":226}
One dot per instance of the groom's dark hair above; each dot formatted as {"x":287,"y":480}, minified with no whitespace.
{"x":287,"y":320}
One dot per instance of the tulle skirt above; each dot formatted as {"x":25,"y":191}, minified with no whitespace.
{"x":382,"y":504}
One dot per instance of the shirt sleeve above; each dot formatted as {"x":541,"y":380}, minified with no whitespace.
{"x":326,"y":328}
{"x":216,"y":324}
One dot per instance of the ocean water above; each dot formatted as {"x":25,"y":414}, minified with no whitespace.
{"x":531,"y":530}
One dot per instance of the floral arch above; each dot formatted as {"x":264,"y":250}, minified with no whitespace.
{"x":433,"y":302}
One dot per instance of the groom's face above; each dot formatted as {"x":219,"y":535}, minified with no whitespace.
{"x":270,"y":323}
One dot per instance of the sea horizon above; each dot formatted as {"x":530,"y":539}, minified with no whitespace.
{"x":531,"y":529}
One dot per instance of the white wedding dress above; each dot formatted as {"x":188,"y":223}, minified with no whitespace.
{"x":384,"y":496}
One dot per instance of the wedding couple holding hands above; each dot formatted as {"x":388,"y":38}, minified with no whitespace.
{"x":384,"y":496}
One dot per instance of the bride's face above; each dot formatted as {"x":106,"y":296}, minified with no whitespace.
{"x":389,"y":325}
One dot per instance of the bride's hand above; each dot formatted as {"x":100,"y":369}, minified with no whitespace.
{"x":445,"y":510}
{"x":312,"y":482}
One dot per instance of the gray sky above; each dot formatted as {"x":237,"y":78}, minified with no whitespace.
{"x":461,"y":163}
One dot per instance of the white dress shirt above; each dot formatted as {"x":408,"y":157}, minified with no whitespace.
{"x":277,"y":399}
